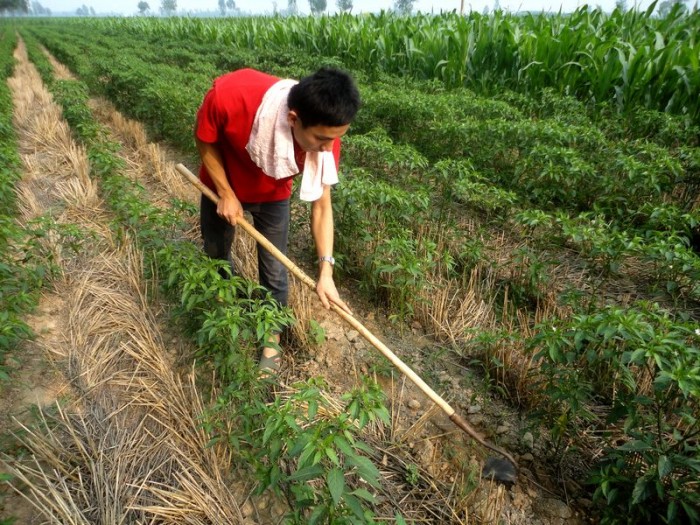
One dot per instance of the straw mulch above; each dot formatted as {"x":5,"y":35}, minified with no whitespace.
{"x":128,"y":448}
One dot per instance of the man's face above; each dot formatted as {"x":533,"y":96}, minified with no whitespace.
{"x":315,"y":138}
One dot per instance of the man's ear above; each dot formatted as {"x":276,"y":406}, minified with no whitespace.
{"x":292,"y":117}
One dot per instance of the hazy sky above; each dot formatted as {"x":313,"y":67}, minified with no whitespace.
{"x":266,"y":6}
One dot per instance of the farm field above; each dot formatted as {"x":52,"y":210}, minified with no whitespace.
{"x":518,"y":218}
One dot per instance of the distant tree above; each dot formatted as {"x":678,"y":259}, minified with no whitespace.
{"x":292,"y":8}
{"x":344,"y":6}
{"x":317,"y":6}
{"x":222,"y":7}
{"x":92,"y":11}
{"x":143,"y":7}
{"x":39,"y":9}
{"x":168,"y":7}
{"x":14,"y":5}
{"x":621,"y":5}
{"x":231,"y":4}
{"x":667,"y":6}
{"x":83,"y":11}
{"x":404,"y":6}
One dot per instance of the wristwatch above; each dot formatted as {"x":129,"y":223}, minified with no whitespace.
{"x":328,"y":258}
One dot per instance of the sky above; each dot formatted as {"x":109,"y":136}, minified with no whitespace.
{"x":128,"y":7}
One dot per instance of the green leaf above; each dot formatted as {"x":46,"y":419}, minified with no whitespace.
{"x":638,"y":356}
{"x":365,"y":469}
{"x":307,"y":457}
{"x":330,"y":452}
{"x":641,"y":491}
{"x":268,"y":432}
{"x":691,"y":512}
{"x":307,"y":473}
{"x":299,"y":445}
{"x":364,"y":494}
{"x":364,"y":447}
{"x":635,"y":446}
{"x":313,"y":409}
{"x":672,"y":511}
{"x":335,"y":479}
{"x":354,"y":505}
{"x":665,"y":466}
{"x":318,"y":515}
{"x":344,"y":446}
{"x":275,"y":448}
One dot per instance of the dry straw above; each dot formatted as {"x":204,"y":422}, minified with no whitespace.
{"x":129,"y":447}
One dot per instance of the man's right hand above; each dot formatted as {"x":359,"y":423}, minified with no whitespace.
{"x":230,"y":209}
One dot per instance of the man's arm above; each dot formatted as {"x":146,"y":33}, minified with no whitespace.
{"x":229,"y":207}
{"x":322,"y":231}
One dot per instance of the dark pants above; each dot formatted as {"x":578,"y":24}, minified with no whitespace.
{"x":271,"y":219}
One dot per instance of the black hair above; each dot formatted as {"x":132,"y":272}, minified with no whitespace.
{"x":329,"y":97}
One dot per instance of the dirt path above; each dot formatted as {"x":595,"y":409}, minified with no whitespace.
{"x":73,"y":357}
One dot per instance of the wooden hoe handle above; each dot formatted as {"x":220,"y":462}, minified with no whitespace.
{"x":369,"y":336}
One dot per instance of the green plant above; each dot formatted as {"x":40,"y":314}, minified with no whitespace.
{"x":380,"y":365}
{"x":316,"y":332}
{"x":528,"y":279}
{"x":400,"y":267}
{"x":555,"y":176}
{"x":412,"y":474}
{"x":599,"y":240}
{"x":485,"y":349}
{"x":642,"y":364}
{"x":326,"y":452}
{"x":675,"y":263}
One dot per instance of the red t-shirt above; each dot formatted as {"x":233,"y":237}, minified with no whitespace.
{"x":226,"y":119}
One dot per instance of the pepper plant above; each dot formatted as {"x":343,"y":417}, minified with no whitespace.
{"x":642,"y":364}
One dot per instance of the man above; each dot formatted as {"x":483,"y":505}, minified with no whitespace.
{"x":254,"y":133}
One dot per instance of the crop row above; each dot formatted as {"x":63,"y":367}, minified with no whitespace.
{"x":25,"y":261}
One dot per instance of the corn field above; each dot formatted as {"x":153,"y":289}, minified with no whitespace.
{"x":627,"y":58}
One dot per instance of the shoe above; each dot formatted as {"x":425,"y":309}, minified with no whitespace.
{"x":269,"y":366}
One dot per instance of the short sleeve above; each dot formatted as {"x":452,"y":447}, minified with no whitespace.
{"x":208,"y":119}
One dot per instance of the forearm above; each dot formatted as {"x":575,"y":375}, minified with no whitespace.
{"x":322,"y":230}
{"x":214,"y":164}
{"x":229,"y":207}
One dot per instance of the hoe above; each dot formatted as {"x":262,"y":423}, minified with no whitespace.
{"x":501,"y":470}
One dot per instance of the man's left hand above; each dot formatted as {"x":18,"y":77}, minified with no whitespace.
{"x":327,"y":292}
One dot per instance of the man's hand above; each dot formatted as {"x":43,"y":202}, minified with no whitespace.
{"x":327,"y":292}
{"x":230,"y":209}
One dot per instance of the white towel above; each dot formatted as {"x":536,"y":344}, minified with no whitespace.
{"x":271,"y":146}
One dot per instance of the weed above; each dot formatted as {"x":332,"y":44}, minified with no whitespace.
{"x":316,"y":332}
